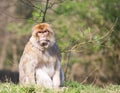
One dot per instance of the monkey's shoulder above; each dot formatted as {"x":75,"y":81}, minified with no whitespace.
{"x":28,"y":53}
{"x":28,"y":47}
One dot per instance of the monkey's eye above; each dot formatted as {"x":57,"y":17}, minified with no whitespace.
{"x":45,"y":31}
{"x":40,"y":32}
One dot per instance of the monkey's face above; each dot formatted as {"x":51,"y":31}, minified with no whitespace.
{"x":43,"y":41}
{"x":44,"y":36}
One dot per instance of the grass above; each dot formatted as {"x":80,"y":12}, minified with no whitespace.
{"x":71,"y":87}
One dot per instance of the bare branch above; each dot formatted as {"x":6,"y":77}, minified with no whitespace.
{"x":102,"y":39}
{"x":29,"y":3}
{"x":46,"y":7}
{"x":13,"y":17}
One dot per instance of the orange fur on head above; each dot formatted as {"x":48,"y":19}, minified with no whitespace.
{"x":41,"y":27}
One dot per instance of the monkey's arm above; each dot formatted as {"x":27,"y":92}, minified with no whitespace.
{"x":58,"y":77}
{"x":27,"y":69}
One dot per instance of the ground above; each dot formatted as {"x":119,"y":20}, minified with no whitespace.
{"x":70,"y":87}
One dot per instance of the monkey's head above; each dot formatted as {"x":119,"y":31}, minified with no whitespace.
{"x":43,"y":36}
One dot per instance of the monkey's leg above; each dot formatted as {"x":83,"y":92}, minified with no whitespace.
{"x":43,"y":79}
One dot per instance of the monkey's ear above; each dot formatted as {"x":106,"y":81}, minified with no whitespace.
{"x":34,"y":31}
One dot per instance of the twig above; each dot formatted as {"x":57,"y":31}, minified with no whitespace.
{"x":73,"y":48}
{"x":29,"y":3}
{"x":67,"y":63}
{"x":46,"y":7}
{"x":89,"y":74}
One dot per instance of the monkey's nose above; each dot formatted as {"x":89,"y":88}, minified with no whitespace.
{"x":44,"y":43}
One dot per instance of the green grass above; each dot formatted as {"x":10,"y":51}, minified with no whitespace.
{"x":71,"y":87}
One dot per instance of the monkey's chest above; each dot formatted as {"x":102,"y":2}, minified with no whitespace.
{"x":49,"y":70}
{"x":47,"y":64}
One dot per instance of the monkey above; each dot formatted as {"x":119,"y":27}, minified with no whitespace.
{"x":40,"y":63}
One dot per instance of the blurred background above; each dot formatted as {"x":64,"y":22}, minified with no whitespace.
{"x":88,"y":34}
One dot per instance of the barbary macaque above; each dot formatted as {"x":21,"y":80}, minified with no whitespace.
{"x":40,"y":63}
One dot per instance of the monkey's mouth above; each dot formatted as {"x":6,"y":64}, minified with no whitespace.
{"x":44,"y":43}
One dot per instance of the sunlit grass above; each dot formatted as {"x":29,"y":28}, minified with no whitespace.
{"x":70,"y":87}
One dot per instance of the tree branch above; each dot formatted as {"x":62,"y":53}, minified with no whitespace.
{"x":29,"y":3}
{"x":44,"y":14}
